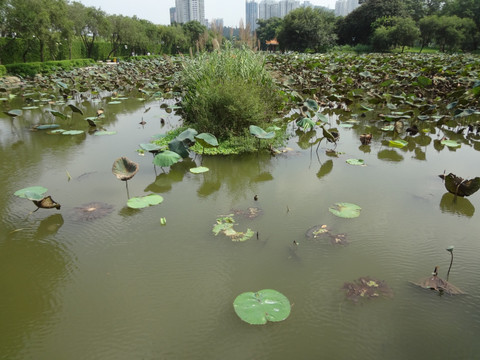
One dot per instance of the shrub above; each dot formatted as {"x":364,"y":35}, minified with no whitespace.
{"x":3,"y":70}
{"x":48,"y":67}
{"x":227,"y":91}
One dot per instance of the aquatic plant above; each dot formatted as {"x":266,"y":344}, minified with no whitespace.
{"x":36,"y":195}
{"x":257,"y":308}
{"x":434,"y":282}
{"x":459,"y":186}
{"x":345,"y":210}
{"x":91,"y":211}
{"x":225,"y":224}
{"x":144,"y":201}
{"x":366,"y":288}
{"x":124,"y":169}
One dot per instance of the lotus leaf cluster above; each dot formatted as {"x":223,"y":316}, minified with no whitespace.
{"x":323,"y":231}
{"x":225,"y":224}
{"x":366,"y":288}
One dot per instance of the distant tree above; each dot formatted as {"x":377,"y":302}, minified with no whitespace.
{"x":394,"y":31}
{"x":428,"y":29}
{"x":307,"y":29}
{"x":173,"y":39}
{"x":268,"y":30}
{"x":193,"y":30}
{"x":357,"y":28}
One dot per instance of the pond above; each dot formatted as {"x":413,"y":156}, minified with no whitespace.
{"x":117,"y":284}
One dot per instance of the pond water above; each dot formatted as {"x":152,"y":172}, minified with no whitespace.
{"x":123,"y":286}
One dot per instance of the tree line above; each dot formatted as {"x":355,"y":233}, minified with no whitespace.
{"x":54,"y":28}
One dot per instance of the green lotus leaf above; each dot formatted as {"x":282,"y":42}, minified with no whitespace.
{"x":398,"y":143}
{"x":73,"y":132}
{"x":145,"y":201}
{"x":306,"y":123}
{"x":150,"y":147}
{"x":322,"y":118}
{"x":207,"y":140}
{"x":311,"y":105}
{"x":103,"y":133}
{"x":345,"y":210}
{"x":34,"y":196}
{"x":57,"y":114}
{"x":359,"y":162}
{"x":259,"y":133}
{"x":13,"y":113}
{"x":388,"y":128}
{"x":75,"y":109}
{"x":188,"y":134}
{"x":57,"y":131}
{"x":46,"y":126}
{"x":199,"y":170}
{"x":424,"y":81}
{"x":179,"y":147}
{"x":262,"y":306}
{"x":32,"y":189}
{"x":114,"y":102}
{"x":166,"y":158}
{"x":29,"y":107}
{"x":345,"y":125}
{"x":450,"y":143}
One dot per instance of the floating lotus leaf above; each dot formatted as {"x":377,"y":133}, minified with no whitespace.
{"x":225,"y":225}
{"x":13,"y":113}
{"x":459,"y":186}
{"x":46,"y":126}
{"x":199,"y":170}
{"x":322,"y":231}
{"x":166,"y":158}
{"x":450,"y":143}
{"x":29,"y":107}
{"x":124,"y":169}
{"x":91,"y":211}
{"x":366,"y":288}
{"x":250,"y":213}
{"x":207,"y":140}
{"x":75,"y":109}
{"x":434,"y":282}
{"x":358,"y":162}
{"x":103,"y":133}
{"x":47,"y":203}
{"x":259,"y":133}
{"x":388,"y":128}
{"x":346,"y":126}
{"x":145,"y":201}
{"x":398,"y":143}
{"x":316,"y":231}
{"x":24,"y":193}
{"x":262,"y":306}
{"x":345,"y":210}
{"x":73,"y":132}
{"x":114,"y":102}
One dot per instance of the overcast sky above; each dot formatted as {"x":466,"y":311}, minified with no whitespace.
{"x":157,"y":11}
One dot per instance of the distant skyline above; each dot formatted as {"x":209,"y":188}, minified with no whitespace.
{"x":158,"y":11}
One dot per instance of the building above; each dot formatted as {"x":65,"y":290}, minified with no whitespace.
{"x":190,"y":10}
{"x":251,"y":14}
{"x":345,"y":7}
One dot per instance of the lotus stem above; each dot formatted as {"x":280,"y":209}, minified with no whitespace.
{"x":126,"y":185}
{"x":451,"y":262}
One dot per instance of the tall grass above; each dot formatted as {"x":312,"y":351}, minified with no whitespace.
{"x":227,"y":90}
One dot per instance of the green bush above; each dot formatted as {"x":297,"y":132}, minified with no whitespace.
{"x":3,"y":70}
{"x":227,"y":91}
{"x":48,"y":67}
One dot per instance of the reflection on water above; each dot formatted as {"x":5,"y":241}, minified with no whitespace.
{"x":121,"y":286}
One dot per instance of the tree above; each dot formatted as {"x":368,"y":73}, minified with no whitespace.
{"x":428,"y":28}
{"x":89,"y":24}
{"x":307,"y":29}
{"x":405,"y":32}
{"x":193,"y":30}
{"x":173,"y":39}
{"x":268,"y":30}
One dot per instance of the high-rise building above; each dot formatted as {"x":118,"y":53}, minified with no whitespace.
{"x":190,"y":10}
{"x":251,"y":12}
{"x":345,"y":7}
{"x":271,"y":8}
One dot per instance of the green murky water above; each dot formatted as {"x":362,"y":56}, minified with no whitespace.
{"x":122,"y":286}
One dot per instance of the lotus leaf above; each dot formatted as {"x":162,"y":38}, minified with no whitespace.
{"x":73,"y":132}
{"x":311,"y":104}
{"x":13,"y":113}
{"x":207,"y":140}
{"x":262,"y":306}
{"x":188,"y":134}
{"x":150,"y":147}
{"x":75,"y":109}
{"x":398,"y":143}
{"x":225,"y":224}
{"x":166,"y":158}
{"x":103,"y":133}
{"x":29,"y":107}
{"x":450,"y":143}
{"x":57,"y":114}
{"x":179,"y":147}
{"x":199,"y":170}
{"x":366,"y":288}
{"x":424,"y":81}
{"x":46,"y":126}
{"x":259,"y":133}
{"x":355,"y":162}
{"x":124,"y":169}
{"x":306,"y":123}
{"x":40,"y":190}
{"x":459,"y":186}
{"x":345,"y":210}
{"x":114,"y":102}
{"x":47,"y":203}
{"x":145,"y":201}
{"x":434,"y":282}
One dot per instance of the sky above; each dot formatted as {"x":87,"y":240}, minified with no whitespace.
{"x":158,"y":11}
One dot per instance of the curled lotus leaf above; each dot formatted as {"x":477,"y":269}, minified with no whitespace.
{"x":259,"y":133}
{"x":311,"y":105}
{"x":434,"y":282}
{"x":75,"y":109}
{"x":124,"y":169}
{"x":57,"y":114}
{"x":459,"y":186}
{"x":345,"y":210}
{"x":150,"y":147}
{"x":257,"y":308}
{"x":207,"y":140}
{"x":187,"y":136}
{"x":13,"y":113}
{"x":47,"y":203}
